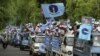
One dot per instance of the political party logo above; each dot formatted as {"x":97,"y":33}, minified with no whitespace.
{"x":53,"y":9}
{"x":85,"y":31}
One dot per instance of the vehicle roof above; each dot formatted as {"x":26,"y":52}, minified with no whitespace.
{"x":37,"y":36}
{"x":70,"y":35}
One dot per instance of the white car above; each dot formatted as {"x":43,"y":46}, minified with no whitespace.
{"x":37,"y":45}
{"x":68,"y":49}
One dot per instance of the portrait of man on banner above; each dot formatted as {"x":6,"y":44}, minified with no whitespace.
{"x":53,"y":10}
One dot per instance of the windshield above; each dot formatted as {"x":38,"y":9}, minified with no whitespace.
{"x":96,"y":41}
{"x":70,"y":41}
{"x":39,"y":39}
{"x":25,"y":38}
{"x":96,"y":38}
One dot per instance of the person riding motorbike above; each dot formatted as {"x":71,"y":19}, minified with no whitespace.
{"x":4,"y":40}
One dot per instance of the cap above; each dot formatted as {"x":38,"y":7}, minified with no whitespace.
{"x":96,"y":23}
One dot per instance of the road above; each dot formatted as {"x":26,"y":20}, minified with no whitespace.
{"x":12,"y":51}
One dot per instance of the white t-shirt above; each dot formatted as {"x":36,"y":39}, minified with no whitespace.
{"x":38,"y":29}
{"x":98,"y":28}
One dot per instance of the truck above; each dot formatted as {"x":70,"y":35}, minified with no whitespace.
{"x":93,"y":48}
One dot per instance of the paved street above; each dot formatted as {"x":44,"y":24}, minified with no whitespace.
{"x":12,"y":51}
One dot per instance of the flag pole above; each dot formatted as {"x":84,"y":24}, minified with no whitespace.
{"x":34,"y":25}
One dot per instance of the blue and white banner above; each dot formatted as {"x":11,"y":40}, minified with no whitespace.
{"x":42,"y":48}
{"x":53,"y":10}
{"x":85,"y":31}
{"x":55,"y":43}
{"x":47,"y":40}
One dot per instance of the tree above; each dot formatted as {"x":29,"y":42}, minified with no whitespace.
{"x":4,"y":16}
{"x":20,"y":12}
{"x":24,"y":11}
{"x":78,"y":8}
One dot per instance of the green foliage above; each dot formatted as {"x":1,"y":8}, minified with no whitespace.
{"x":4,"y":15}
{"x":23,"y":11}
{"x":78,"y":8}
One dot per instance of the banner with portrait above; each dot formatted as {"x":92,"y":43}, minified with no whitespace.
{"x":53,"y":10}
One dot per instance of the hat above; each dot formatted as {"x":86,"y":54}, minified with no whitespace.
{"x":53,"y":30}
{"x":96,"y":23}
{"x":70,"y":27}
{"x":47,"y":28}
{"x":56,"y":28}
{"x":58,"y":23}
{"x":38,"y":24}
{"x":77,"y":23}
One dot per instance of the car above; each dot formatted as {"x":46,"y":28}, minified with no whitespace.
{"x":69,"y":45}
{"x":37,"y":45}
{"x":15,"y":40}
{"x":24,"y":44}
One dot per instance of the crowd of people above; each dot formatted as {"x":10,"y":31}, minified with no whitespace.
{"x":51,"y":28}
